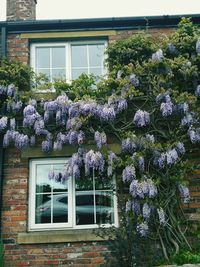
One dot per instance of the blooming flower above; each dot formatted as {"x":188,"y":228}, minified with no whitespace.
{"x":198,"y":46}
{"x":180,"y":148}
{"x":47,"y":146}
{"x":172,"y":48}
{"x":134,"y":80}
{"x":11,"y":90}
{"x":128,"y":146}
{"x":128,"y":174}
{"x":141,"y":118}
{"x":3,"y":123}
{"x":171,"y":156}
{"x":141,"y":163}
{"x":187,"y":120}
{"x":81,"y":137}
{"x":73,"y":137}
{"x":146,"y":211}
{"x":184,"y":192}
{"x":150,"y":138}
{"x":158,"y":55}
{"x":161,"y":215}
{"x":94,"y":161}
{"x":142,"y":229}
{"x":100,"y":139}
{"x":197,"y":91}
{"x":111,"y":158}
{"x":166,"y":108}
{"x":21,"y":141}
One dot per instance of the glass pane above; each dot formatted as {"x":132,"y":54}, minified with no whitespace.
{"x":58,"y":74}
{"x":84,"y":208}
{"x":79,"y":56}
{"x":42,"y":57}
{"x":104,"y":207}
{"x":77,"y":72}
{"x":43,"y":184}
{"x":96,"y":55}
{"x":60,"y":208}
{"x":46,"y":72}
{"x":59,"y":186}
{"x":58,"y":57}
{"x":84,"y":184}
{"x":43,"y":209}
{"x":96,"y":71}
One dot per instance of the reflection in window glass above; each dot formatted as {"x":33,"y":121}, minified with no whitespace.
{"x":96,"y":55}
{"x":51,"y":196}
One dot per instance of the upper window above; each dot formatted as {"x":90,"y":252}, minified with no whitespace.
{"x":68,"y":60}
{"x":83,"y":203}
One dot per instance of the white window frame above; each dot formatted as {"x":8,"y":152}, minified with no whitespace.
{"x":67,"y":45}
{"x":71,"y":224}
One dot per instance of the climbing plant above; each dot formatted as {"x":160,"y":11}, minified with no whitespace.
{"x":148,"y":104}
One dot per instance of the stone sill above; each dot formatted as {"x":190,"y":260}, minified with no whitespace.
{"x":58,"y":237}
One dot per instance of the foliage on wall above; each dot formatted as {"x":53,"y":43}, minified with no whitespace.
{"x":149,"y":103}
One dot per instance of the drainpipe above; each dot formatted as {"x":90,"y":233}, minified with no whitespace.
{"x":1,"y":179}
{"x":3,"y":41}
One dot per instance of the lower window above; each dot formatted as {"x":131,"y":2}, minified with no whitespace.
{"x":78,"y":203}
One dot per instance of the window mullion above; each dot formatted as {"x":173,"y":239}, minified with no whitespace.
{"x":94,"y":195}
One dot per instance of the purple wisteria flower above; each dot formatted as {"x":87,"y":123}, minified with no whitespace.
{"x":128,"y":146}
{"x":134,"y":80}
{"x":63,"y":138}
{"x":141,"y":118}
{"x":171,"y":156}
{"x":3,"y":90}
{"x":121,"y":105}
{"x":136,"y":207}
{"x":29,"y":110}
{"x":7,"y":138}
{"x":128,"y":174}
{"x":158,"y":55}
{"x":182,"y":108}
{"x":88,"y":108}
{"x":146,"y":211}
{"x":159,"y":160}
{"x":187,"y":120}
{"x":39,"y":126}
{"x":150,"y":138}
{"x":93,"y":161}
{"x":47,"y":146}
{"x":180,"y":148}
{"x":74,"y":110}
{"x":106,"y":113}
{"x":100,"y":139}
{"x":16,"y":106}
{"x":141,"y":163}
{"x":161,"y":216}
{"x":73,"y":137}
{"x":194,"y":135}
{"x":136,"y":189}
{"x":12,"y":124}
{"x":197,"y":91}
{"x":51,"y":106}
{"x":172,"y":48}
{"x":143,"y":229}
{"x":74,"y":123}
{"x":21,"y":141}
{"x":57,"y":146}
{"x":111,"y":158}
{"x":166,"y":108}
{"x":198,"y":46}
{"x":81,"y":137}
{"x":11,"y":90}
{"x":3,"y":123}
{"x":184,"y":192}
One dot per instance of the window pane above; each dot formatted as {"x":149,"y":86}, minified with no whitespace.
{"x":58,"y":57}
{"x":77,"y":72}
{"x":58,"y":74}
{"x":79,"y":56}
{"x":59,"y":186}
{"x":96,"y":55}
{"x":104,"y":207}
{"x":84,"y":208}
{"x":43,"y":184}
{"x":46,"y":72}
{"x":60,"y":208}
{"x":42,"y":57}
{"x":43,"y":208}
{"x":96,"y":71}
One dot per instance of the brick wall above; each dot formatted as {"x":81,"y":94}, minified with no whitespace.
{"x":18,"y":48}
{"x":14,"y":221}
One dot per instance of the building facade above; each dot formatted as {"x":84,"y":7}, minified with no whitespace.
{"x":60,"y":48}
